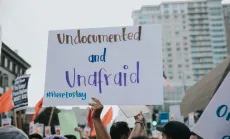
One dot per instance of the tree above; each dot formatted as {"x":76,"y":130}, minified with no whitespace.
{"x":44,"y":116}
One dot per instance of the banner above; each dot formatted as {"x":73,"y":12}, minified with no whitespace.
{"x":111,"y":64}
{"x":214,"y":123}
{"x":20,"y":96}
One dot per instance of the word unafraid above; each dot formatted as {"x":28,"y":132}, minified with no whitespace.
{"x":100,"y":78}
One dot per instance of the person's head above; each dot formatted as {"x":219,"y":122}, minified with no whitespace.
{"x":119,"y":130}
{"x":55,"y":137}
{"x":35,"y":136}
{"x":140,"y":137}
{"x":70,"y":137}
{"x":10,"y":132}
{"x":174,"y":130}
{"x":194,"y":136}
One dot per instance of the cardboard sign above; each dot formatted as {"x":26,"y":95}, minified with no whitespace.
{"x":6,"y":122}
{"x":117,"y":65}
{"x":214,"y":123}
{"x":131,"y":111}
{"x":57,"y":130}
{"x":20,"y":97}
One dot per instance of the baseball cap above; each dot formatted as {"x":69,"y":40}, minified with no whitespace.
{"x":10,"y":132}
{"x":175,"y":130}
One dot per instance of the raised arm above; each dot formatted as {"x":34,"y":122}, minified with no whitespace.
{"x":97,"y":108}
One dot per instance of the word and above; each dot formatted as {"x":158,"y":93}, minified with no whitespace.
{"x":99,"y":38}
{"x":99,"y":78}
{"x":97,"y":58}
{"x":222,"y":111}
{"x":75,"y":94}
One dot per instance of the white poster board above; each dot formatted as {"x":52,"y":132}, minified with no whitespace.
{"x":133,"y":110}
{"x":214,"y":123}
{"x":117,"y":65}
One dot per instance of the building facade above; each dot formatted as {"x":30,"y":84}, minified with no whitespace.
{"x":12,"y":65}
{"x":227,"y":23}
{"x":194,"y":36}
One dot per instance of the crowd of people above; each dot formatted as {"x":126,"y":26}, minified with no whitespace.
{"x":119,"y":130}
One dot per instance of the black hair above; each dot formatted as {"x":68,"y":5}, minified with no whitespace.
{"x":118,"y":129}
{"x":70,"y":137}
{"x":140,"y":137}
{"x":35,"y":136}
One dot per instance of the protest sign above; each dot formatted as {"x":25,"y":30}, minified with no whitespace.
{"x":164,"y":118}
{"x":39,"y":129}
{"x":47,"y":131}
{"x":131,"y":111}
{"x":119,"y":66}
{"x":57,"y":130}
{"x":86,"y":132}
{"x":6,"y":121}
{"x":191,"y":119}
{"x":214,"y":123}
{"x":32,"y":129}
{"x":20,"y":92}
{"x":175,"y":112}
{"x":122,"y":117}
{"x":68,"y":123}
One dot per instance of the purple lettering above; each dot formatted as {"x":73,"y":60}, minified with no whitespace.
{"x":94,"y":79}
{"x":136,"y":74}
{"x":67,"y":78}
{"x":99,"y":81}
{"x":79,"y":80}
{"x":106,"y":78}
{"x":119,"y":79}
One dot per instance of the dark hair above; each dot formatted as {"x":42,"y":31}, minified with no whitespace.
{"x":118,"y":129}
{"x":194,"y":134}
{"x":35,"y":136}
{"x":140,"y":137}
{"x":70,"y":137}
